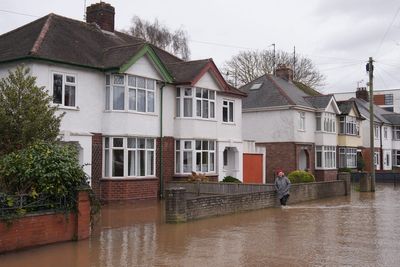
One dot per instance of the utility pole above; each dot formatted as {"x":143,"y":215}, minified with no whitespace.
{"x":294,"y":62}
{"x":273,"y":61}
{"x":370,"y":69}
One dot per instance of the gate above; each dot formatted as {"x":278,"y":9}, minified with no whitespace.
{"x":252,"y":168}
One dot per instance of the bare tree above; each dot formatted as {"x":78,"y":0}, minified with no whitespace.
{"x":248,"y":65}
{"x":161,"y":36}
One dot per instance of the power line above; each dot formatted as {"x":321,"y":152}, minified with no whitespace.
{"x":387,"y":30}
{"x":18,"y":13}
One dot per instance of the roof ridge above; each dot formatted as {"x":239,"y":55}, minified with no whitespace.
{"x":165,"y":51}
{"x":122,"y":46}
{"x":282,"y":91}
{"x":23,"y":26}
{"x":191,"y":61}
{"x":42,"y":35}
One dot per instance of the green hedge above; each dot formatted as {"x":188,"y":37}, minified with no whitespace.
{"x":301,"y":177}
{"x":48,"y":168}
{"x":230,"y":179}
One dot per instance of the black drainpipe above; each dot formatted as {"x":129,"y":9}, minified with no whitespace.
{"x":161,"y":141}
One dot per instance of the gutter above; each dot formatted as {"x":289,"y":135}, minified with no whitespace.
{"x":161,"y":141}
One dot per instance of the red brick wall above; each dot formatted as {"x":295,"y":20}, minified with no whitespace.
{"x":40,"y":229}
{"x":128,"y":189}
{"x":168,"y":158}
{"x":379,"y":99}
{"x":325,"y":175}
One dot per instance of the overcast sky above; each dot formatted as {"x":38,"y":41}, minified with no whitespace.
{"x":338,"y":36}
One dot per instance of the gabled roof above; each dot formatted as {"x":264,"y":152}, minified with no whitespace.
{"x":63,"y":40}
{"x":271,"y":91}
{"x":347,"y":105}
{"x":363,"y":107}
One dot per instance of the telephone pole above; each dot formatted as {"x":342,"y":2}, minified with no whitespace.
{"x":370,"y":69}
{"x":294,"y":62}
{"x":273,"y":61}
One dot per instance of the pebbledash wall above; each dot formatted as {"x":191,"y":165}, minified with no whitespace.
{"x":46,"y":228}
{"x":184,"y":203}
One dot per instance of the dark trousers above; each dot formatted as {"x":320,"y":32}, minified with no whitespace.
{"x":284,"y":199}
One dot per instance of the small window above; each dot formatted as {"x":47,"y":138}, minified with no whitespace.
{"x":302,"y":121}
{"x":64,"y":89}
{"x":255,"y":86}
{"x":227,"y":111}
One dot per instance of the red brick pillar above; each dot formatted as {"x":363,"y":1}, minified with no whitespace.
{"x":82,"y":230}
{"x":167,"y":161}
{"x":97,"y":158}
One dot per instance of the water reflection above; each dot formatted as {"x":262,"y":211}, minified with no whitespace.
{"x":363,"y":229}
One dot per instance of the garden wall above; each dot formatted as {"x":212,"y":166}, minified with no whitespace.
{"x":183,"y":203}
{"x":46,"y":228}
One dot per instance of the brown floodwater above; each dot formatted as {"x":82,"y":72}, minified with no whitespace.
{"x":361,"y":230}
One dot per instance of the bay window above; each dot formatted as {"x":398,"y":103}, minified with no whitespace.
{"x":347,"y":157}
{"x":194,"y":155}
{"x":349,"y":125}
{"x":130,"y":93}
{"x":64,"y":89}
{"x":195,"y":102}
{"x":325,"y":157}
{"x":129,"y":157}
{"x":326,"y":122}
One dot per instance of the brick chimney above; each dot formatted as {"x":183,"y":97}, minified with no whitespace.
{"x":284,"y":72}
{"x":102,"y":14}
{"x":362,"y":93}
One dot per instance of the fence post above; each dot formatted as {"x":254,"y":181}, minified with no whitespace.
{"x":175,"y":204}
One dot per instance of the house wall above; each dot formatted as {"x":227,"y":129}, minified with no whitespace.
{"x":309,"y":133}
{"x":269,"y":126}
{"x":349,"y":140}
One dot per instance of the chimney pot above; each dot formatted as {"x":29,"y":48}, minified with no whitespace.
{"x":362,"y":93}
{"x":102,"y":14}
{"x":284,"y":72}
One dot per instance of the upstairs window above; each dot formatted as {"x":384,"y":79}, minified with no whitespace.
{"x":376,"y":132}
{"x":385,"y":132}
{"x":396,"y":132}
{"x":130,"y":93}
{"x":349,"y":125}
{"x":227,"y":111}
{"x":195,"y":102}
{"x":388,"y":99}
{"x":64,"y":89}
{"x":302,"y":121}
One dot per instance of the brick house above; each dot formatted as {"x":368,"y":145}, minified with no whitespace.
{"x":141,"y":115}
{"x":298,"y":128}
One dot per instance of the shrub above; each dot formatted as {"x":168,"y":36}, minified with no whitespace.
{"x":197,"y":177}
{"x":360,"y":163}
{"x":345,"y":170}
{"x":301,"y":177}
{"x":230,"y":179}
{"x":48,"y":168}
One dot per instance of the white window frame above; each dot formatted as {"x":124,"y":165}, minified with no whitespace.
{"x":328,"y":157}
{"x":229,"y":106}
{"x":377,"y":159}
{"x":347,"y":157}
{"x":64,"y":84}
{"x":349,"y":125}
{"x":377,"y":133}
{"x":149,"y":147}
{"x":302,"y":121}
{"x":326,"y":122}
{"x":150,"y":88}
{"x":195,"y":98}
{"x":181,"y":149}
{"x":396,"y":133}
{"x":396,"y":158}
{"x":385,"y":132}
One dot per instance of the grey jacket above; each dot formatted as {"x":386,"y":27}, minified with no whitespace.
{"x":282,"y":186}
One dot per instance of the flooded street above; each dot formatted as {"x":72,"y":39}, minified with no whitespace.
{"x":361,"y":230}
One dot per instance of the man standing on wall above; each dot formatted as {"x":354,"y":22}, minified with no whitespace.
{"x":282,"y":186}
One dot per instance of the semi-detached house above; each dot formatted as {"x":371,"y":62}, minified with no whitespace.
{"x":297,"y":127}
{"x":141,"y":116}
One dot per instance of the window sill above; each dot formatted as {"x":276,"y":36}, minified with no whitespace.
{"x":325,"y":169}
{"x":228,"y":123}
{"x":129,"y":178}
{"x":132,"y":112}
{"x":300,"y":130}
{"x":68,"y":108}
{"x":187,"y":174}
{"x":195,"y":118}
